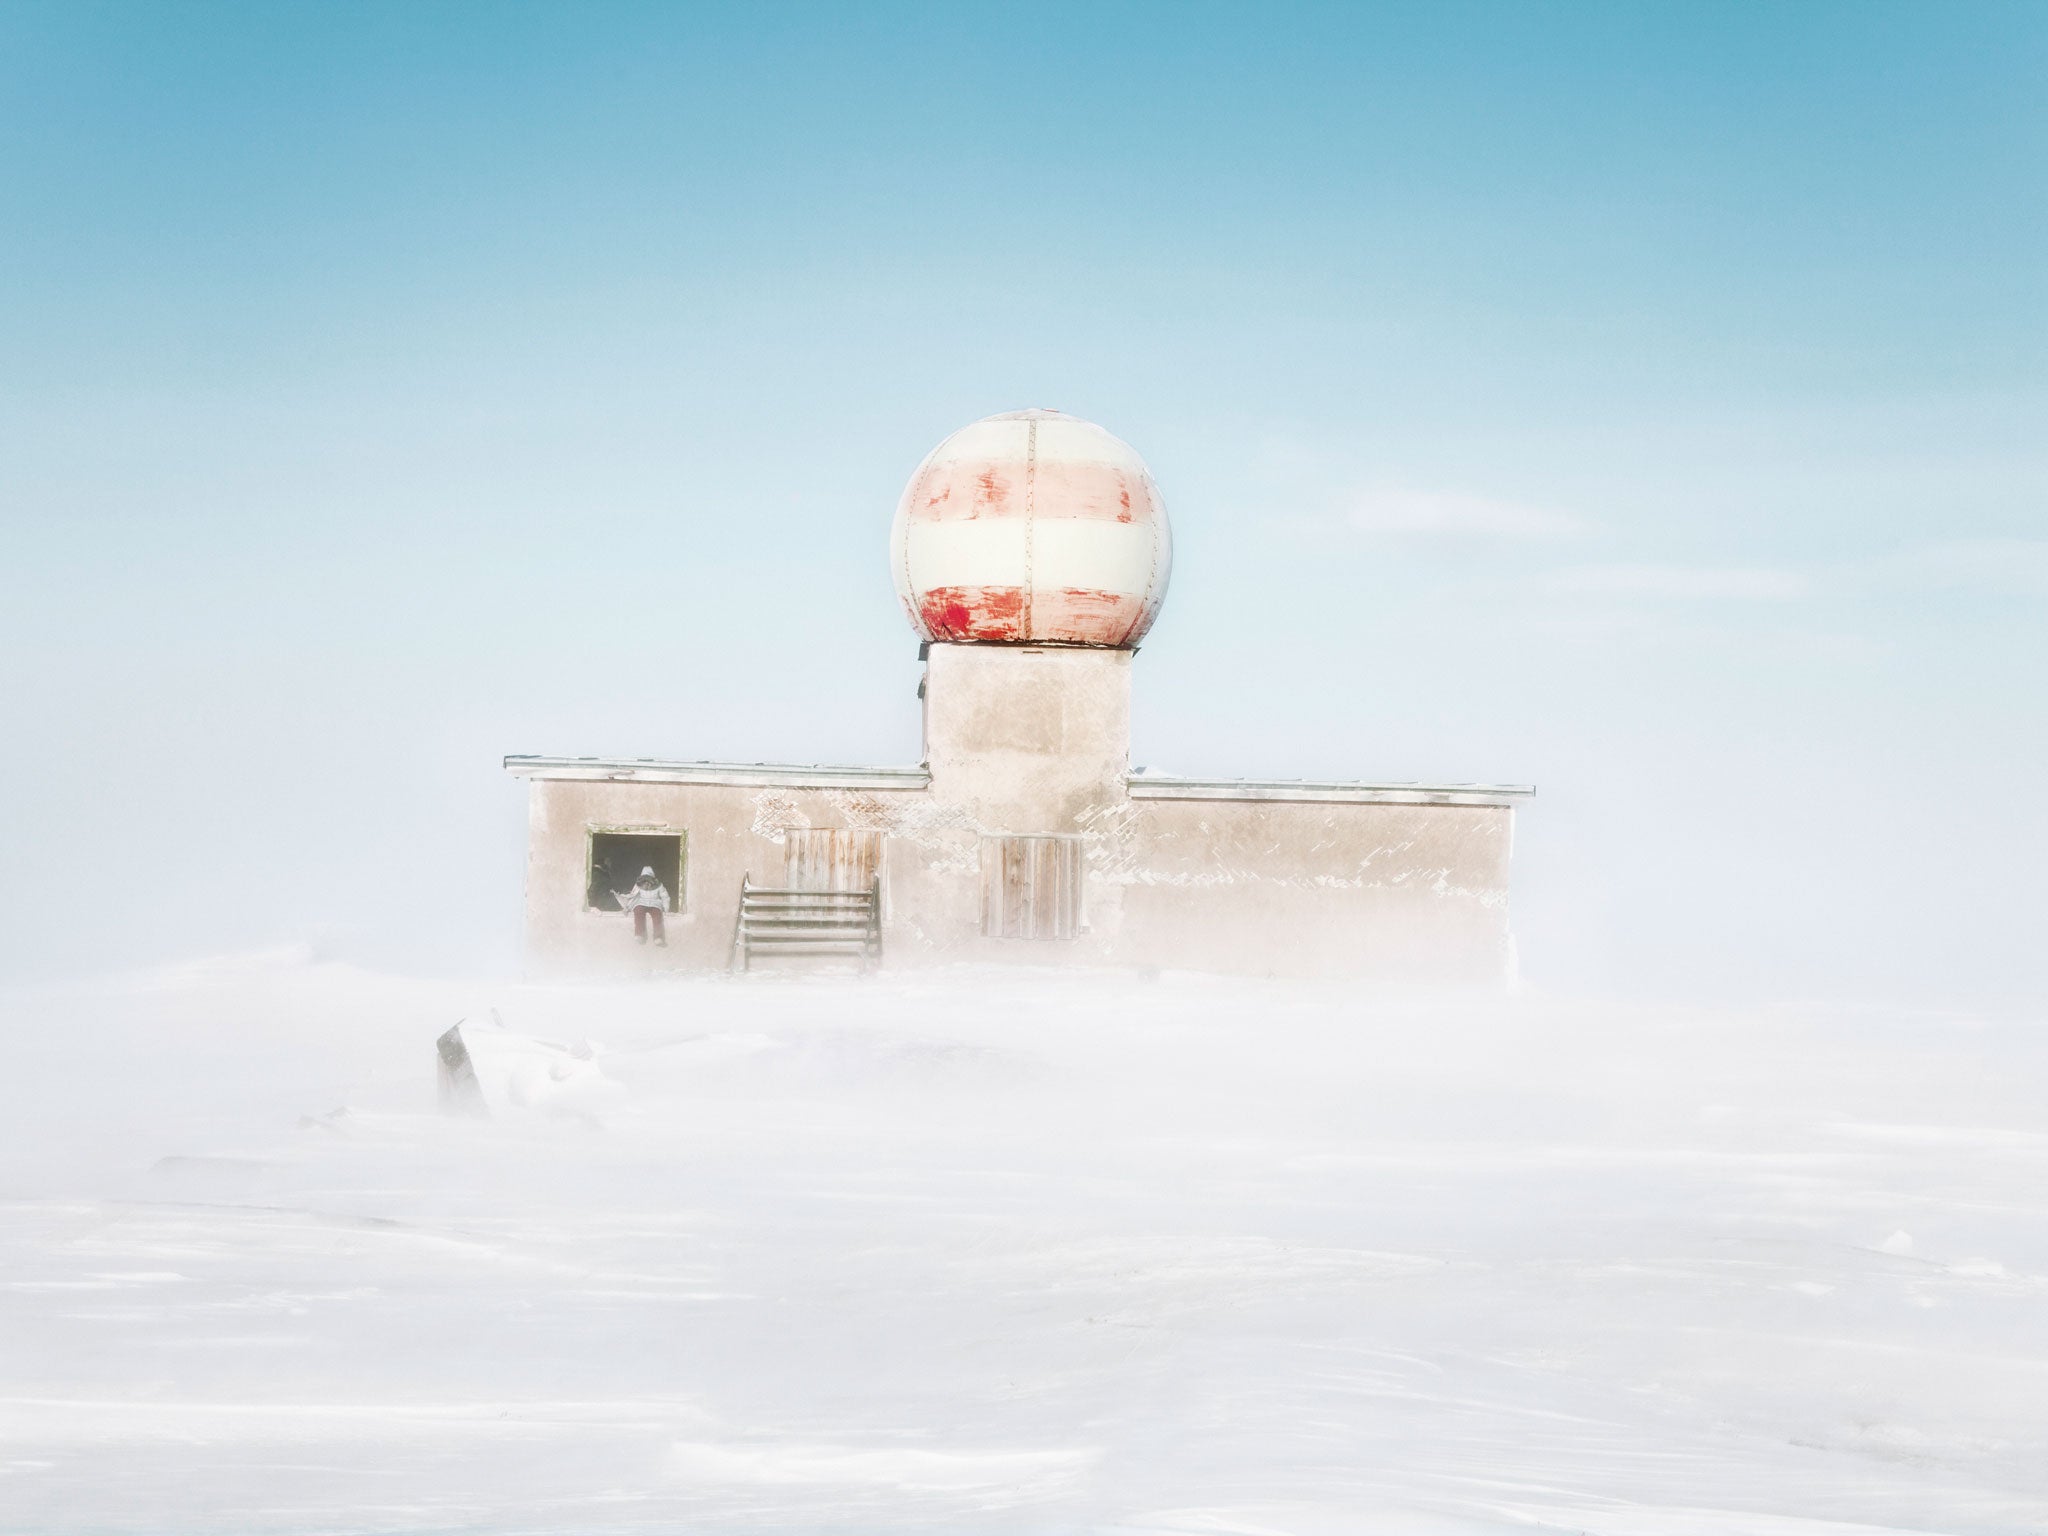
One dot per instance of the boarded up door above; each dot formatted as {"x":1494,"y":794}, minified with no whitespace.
{"x":1031,"y":887}
{"x":835,"y":859}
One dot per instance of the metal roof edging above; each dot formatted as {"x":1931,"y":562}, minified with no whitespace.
{"x":1152,"y":786}
{"x":662,"y":771}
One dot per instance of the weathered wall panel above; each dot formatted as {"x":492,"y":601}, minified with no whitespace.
{"x":1308,"y":888}
{"x":1291,"y":888}
{"x":1026,"y":740}
{"x":1033,"y":887}
{"x":831,"y":859}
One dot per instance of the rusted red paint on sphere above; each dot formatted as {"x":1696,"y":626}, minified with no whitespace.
{"x":997,"y":614}
{"x":1032,"y":528}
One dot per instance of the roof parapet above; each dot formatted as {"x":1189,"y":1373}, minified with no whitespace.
{"x":1144,"y":784}
{"x":1166,"y":786}
{"x":651,"y":770}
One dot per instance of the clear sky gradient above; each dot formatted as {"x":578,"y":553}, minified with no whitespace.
{"x":1643,"y":401}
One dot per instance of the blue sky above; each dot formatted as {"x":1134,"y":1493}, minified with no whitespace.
{"x":1642,"y":401}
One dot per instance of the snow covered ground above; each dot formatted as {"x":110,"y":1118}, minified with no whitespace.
{"x":985,"y":1251}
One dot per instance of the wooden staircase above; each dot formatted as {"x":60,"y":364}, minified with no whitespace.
{"x":807,"y":924}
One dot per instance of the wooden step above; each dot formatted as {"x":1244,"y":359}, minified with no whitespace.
{"x":762,"y":893}
{"x":754,"y":924}
{"x":787,"y":924}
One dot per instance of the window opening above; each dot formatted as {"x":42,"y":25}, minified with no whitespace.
{"x":616,"y":859}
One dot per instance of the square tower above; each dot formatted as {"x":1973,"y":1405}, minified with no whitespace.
{"x":1028,"y":740}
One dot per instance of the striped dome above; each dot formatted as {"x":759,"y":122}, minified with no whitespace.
{"x":1032,"y":528}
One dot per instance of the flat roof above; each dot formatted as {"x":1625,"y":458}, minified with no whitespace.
{"x":654,"y":770}
{"x":1170,"y":786}
{"x":1145,"y":785}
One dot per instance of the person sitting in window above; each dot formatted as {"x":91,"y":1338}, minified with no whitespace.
{"x":647,"y":901}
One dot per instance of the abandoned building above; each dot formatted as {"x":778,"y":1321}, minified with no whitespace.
{"x":1031,"y":552}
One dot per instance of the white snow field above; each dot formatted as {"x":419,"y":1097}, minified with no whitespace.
{"x":1016,"y":1252}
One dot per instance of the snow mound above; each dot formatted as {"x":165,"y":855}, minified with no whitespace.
{"x":1014,"y":1253}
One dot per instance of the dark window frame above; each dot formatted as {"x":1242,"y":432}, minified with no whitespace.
{"x":678,"y":891}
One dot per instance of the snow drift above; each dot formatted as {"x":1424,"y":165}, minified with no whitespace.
{"x":1028,"y":1253}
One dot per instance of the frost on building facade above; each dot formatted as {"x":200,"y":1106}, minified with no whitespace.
{"x":1031,"y":552}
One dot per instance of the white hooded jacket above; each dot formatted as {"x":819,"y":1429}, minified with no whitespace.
{"x":655,"y":895}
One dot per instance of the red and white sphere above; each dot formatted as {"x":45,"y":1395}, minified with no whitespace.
{"x":1032,"y":528}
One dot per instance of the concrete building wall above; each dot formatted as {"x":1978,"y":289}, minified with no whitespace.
{"x":1026,"y":739}
{"x":1289,"y":887}
{"x":733,"y":831}
{"x":1308,"y":888}
{"x":931,"y":873}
